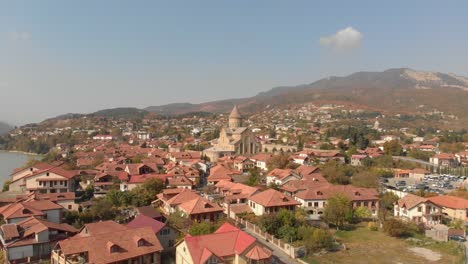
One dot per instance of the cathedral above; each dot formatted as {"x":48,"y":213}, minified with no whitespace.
{"x":233,"y":139}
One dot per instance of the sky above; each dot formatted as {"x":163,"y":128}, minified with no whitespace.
{"x":61,"y":57}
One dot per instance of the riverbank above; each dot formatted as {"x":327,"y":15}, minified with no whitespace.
{"x":20,"y":152}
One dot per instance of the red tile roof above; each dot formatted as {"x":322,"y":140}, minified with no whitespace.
{"x":145,"y":221}
{"x":227,"y":241}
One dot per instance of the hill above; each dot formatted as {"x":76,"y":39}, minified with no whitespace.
{"x":394,"y":91}
{"x":4,"y":128}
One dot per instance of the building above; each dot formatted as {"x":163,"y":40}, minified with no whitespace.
{"x":418,"y":209}
{"x":271,"y":201}
{"x":109,"y":242}
{"x":32,"y":239}
{"x":281,"y":176}
{"x":356,"y":159}
{"x":50,"y":180}
{"x":190,"y":204}
{"x":313,"y":196}
{"x":166,"y":234}
{"x":234,"y":139}
{"x":22,"y":210}
{"x":228,"y":244}
{"x":444,"y":160}
{"x":453,"y":207}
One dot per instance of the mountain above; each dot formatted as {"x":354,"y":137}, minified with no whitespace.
{"x":4,"y":128}
{"x":122,"y":112}
{"x":403,"y":91}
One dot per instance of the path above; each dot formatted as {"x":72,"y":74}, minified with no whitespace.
{"x":422,"y":162}
{"x":277,"y":252}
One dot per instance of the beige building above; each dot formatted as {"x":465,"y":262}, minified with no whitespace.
{"x":452,"y":207}
{"x":233,"y":140}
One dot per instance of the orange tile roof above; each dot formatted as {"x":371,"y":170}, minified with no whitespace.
{"x":450,"y":201}
{"x":272,"y":198}
{"x":126,"y":240}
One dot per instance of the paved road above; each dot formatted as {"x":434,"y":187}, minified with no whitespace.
{"x":277,"y":252}
{"x":422,"y":162}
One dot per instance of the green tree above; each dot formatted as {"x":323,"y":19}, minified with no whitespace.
{"x":201,"y":228}
{"x":393,"y":148}
{"x":254,"y":177}
{"x":386,"y":203}
{"x":337,"y":210}
{"x":366,"y":179}
{"x":362,"y":212}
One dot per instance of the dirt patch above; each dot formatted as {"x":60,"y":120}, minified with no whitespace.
{"x":426,"y":253}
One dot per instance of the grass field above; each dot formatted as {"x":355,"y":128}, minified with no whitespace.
{"x":365,"y":246}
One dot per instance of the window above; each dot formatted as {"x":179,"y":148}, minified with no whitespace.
{"x":164,"y":232}
{"x":316,"y":204}
{"x":65,"y":183}
{"x":171,"y":243}
{"x":310,"y":204}
{"x":69,"y":207}
{"x":419,"y":209}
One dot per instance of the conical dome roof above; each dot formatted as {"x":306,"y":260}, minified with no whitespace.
{"x":235,"y":113}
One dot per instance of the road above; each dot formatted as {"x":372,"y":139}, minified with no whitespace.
{"x":422,"y":162}
{"x":277,"y":252}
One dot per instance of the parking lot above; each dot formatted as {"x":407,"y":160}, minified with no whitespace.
{"x":440,"y":184}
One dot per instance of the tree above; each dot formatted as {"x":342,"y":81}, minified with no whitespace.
{"x":337,"y":209}
{"x":254,"y":177}
{"x":315,"y":238}
{"x":393,"y":148}
{"x":300,"y":144}
{"x":280,"y":161}
{"x":201,"y":228}
{"x":457,"y":224}
{"x":387,"y":200}
{"x":336,"y":173}
{"x":6,"y":185}
{"x":366,"y":179}
{"x":362,"y":212}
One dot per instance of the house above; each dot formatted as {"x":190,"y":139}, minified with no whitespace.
{"x":453,"y":207}
{"x":166,"y":234}
{"x":399,"y":173}
{"x":243,"y":164}
{"x":418,"y":209}
{"x":19,"y":211}
{"x":109,"y":242}
{"x":324,"y":156}
{"x":150,"y":212}
{"x":50,"y":180}
{"x":462,"y":158}
{"x":103,"y":137}
{"x":261,"y":160}
{"x":32,"y":239}
{"x":180,"y":182}
{"x":444,"y":160}
{"x":137,"y":180}
{"x":281,"y":176}
{"x":66,"y":200}
{"x":235,"y":197}
{"x":271,"y":201}
{"x":190,"y":204}
{"x":228,"y":244}
{"x":221,"y":172}
{"x":313,"y":196}
{"x":356,"y":159}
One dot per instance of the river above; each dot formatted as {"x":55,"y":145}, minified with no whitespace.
{"x":10,"y":161}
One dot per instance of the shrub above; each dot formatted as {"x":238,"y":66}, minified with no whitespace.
{"x":372,"y":226}
{"x":396,"y":228}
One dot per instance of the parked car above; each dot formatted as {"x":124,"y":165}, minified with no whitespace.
{"x":457,"y":238}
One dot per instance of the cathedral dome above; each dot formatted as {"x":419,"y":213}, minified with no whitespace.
{"x":235,"y":113}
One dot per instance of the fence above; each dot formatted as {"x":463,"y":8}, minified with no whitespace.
{"x":290,"y":250}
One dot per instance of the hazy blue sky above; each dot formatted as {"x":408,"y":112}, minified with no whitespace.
{"x":80,"y":56}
